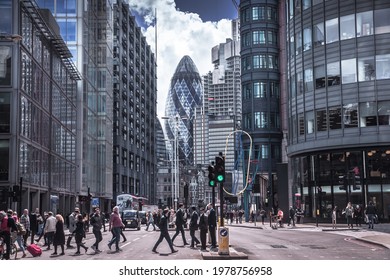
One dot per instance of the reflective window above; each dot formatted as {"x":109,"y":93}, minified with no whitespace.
{"x":350,"y":115}
{"x":318,"y":34}
{"x":384,"y":113}
{"x":5,"y":111}
{"x":258,"y":37}
{"x":6,"y":17}
{"x":366,"y":69}
{"x":259,"y":90}
{"x":298,"y":42}
{"x":364,"y":24}
{"x":310,"y":122}
{"x":5,"y":65}
{"x":308,"y":80}
{"x":348,"y":71}
{"x":382,"y":21}
{"x":299,"y":83}
{"x":264,"y":151}
{"x":271,"y":13}
{"x":258,"y":13}
{"x":321,"y":118}
{"x":272,"y":38}
{"x":293,"y":90}
{"x":247,"y":91}
{"x":333,"y":73}
{"x":292,"y":47}
{"x":332,"y":30}
{"x":368,"y":114}
{"x":347,"y":27}
{"x":306,"y":4}
{"x":247,"y":119}
{"x":246,"y":39}
{"x":274,"y":90}
{"x":335,"y":118}
{"x":274,"y":120}
{"x":301,"y":124}
{"x":246,"y":63}
{"x":319,"y":73}
{"x":273,"y":62}
{"x":261,"y":120}
{"x":307,"y":39}
{"x":383,"y":66}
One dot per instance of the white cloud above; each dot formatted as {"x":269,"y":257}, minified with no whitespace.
{"x":179,"y":34}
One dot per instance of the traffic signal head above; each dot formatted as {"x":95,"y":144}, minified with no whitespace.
{"x":212,"y":181}
{"x":220,"y":168}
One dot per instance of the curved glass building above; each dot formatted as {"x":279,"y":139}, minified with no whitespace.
{"x":184,"y":96}
{"x":338,"y":65}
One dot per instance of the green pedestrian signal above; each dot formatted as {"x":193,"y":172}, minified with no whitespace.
{"x":220,"y":168}
{"x":211,"y":169}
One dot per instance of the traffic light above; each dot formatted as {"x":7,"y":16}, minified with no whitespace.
{"x":220,"y":168}
{"x":211,"y":169}
{"x":356,"y":182}
{"x":343,"y":182}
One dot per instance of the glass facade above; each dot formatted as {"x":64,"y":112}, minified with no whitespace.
{"x":343,"y":105}
{"x":184,"y":96}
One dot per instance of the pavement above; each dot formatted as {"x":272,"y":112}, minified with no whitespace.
{"x":380,"y":235}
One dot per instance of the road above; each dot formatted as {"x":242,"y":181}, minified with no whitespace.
{"x":258,"y":244}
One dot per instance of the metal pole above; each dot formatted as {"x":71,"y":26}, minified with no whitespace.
{"x":221,"y":203}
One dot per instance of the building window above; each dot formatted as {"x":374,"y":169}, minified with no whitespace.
{"x":322,"y":124}
{"x":116,"y":154}
{"x":272,"y":38}
{"x":368,"y":114}
{"x":383,"y":66}
{"x":299,"y":83}
{"x":258,"y":37}
{"x":247,"y":91}
{"x":306,"y":4}
{"x":273,"y":62}
{"x":350,"y":115}
{"x":259,"y":90}
{"x":318,"y":34}
{"x":384,"y":113}
{"x":274,"y":90}
{"x":261,"y":120}
{"x":301,"y":123}
{"x":366,"y":69}
{"x":246,"y":39}
{"x":382,"y":21}
{"x":347,"y":27}
{"x":124,"y":157}
{"x":308,"y":80}
{"x":5,"y":112}
{"x":264,"y":151}
{"x":247,"y":119}
{"x":335,"y":118}
{"x":298,"y":37}
{"x":310,"y":122}
{"x":5,"y":65}
{"x":307,"y":39}
{"x":246,"y":63}
{"x":364,"y":24}
{"x":333,"y":73}
{"x":274,"y":120}
{"x":292,"y":47}
{"x":258,"y":13}
{"x":348,"y":71}
{"x":319,"y":73}
{"x":332,"y":30}
{"x":293,"y":90}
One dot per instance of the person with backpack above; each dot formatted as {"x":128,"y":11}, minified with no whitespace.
{"x":79,"y":233}
{"x":21,"y":231}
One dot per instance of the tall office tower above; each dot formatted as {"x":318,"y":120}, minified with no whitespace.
{"x":261,"y":80}
{"x":38,"y":111}
{"x":135,"y":101}
{"x":184,"y":96}
{"x":86,"y":27}
{"x":339,"y":104}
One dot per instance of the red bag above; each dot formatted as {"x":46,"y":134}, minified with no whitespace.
{"x":34,"y":250}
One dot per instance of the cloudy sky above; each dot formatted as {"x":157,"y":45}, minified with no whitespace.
{"x":184,"y":27}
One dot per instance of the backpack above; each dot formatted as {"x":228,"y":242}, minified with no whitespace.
{"x":21,"y":229}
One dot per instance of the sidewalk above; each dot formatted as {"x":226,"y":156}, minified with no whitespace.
{"x":380,"y":235}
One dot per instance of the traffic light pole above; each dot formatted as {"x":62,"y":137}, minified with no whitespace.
{"x":221,"y":204}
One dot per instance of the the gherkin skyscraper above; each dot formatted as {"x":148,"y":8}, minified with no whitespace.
{"x":185,"y":94}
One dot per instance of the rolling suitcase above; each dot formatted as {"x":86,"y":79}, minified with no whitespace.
{"x":34,"y":250}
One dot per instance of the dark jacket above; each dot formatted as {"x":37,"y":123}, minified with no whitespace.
{"x":203,"y":222}
{"x":163,"y":225}
{"x":59,"y":235}
{"x":371,"y":209}
{"x":79,"y":231}
{"x":179,"y":217}
{"x":96,"y":222}
{"x":194,"y":221}
{"x":212,"y":219}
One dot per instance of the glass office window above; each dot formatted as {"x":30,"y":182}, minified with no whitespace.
{"x":264,"y":151}
{"x":274,"y":90}
{"x":333,"y":73}
{"x":310,"y":122}
{"x":246,"y":39}
{"x":368,"y":114}
{"x":300,"y":83}
{"x":247,"y":119}
{"x":273,"y":62}
{"x":321,"y":118}
{"x":364,"y":24}
{"x":258,"y":37}
{"x":246,"y":63}
{"x":298,"y":42}
{"x":6,"y":17}
{"x":274,"y":120}
{"x":319,"y":73}
{"x":292,"y":47}
{"x":347,"y":27}
{"x":383,"y":66}
{"x":272,"y":14}
{"x":256,"y":62}
{"x":5,"y":112}
{"x":259,"y":89}
{"x":335,"y":118}
{"x":293,"y":91}
{"x":308,"y":80}
{"x":366,"y":69}
{"x":382,"y":21}
{"x":258,"y":13}
{"x":306,"y":4}
{"x":318,"y":34}
{"x":307,"y":39}
{"x":247,"y":91}
{"x":332,"y":30}
{"x":384,"y":113}
{"x":301,"y":124}
{"x":5,"y":65}
{"x":350,"y":115}
{"x":261,"y":120}
{"x":272,"y":38}
{"x":348,"y":71}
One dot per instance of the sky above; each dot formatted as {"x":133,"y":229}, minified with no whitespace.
{"x":184,"y":27}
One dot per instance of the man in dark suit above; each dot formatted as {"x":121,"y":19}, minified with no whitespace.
{"x":194,"y":227}
{"x":163,"y":225}
{"x":203,"y":226}
{"x":179,"y":224}
{"x":212,"y":219}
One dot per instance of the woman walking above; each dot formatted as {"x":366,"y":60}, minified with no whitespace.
{"x":59,"y":235}
{"x":115,"y":226}
{"x":80,"y":234}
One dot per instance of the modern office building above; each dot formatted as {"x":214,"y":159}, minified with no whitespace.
{"x":339,"y":105}
{"x":262,"y":81}
{"x":38,"y":111}
{"x":185,"y":95}
{"x":135,"y":102}
{"x":87,"y":28}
